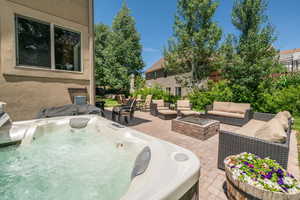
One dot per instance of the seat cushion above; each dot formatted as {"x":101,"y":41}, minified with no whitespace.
{"x":226,"y":114}
{"x":287,"y":114}
{"x":250,"y":128}
{"x":163,"y":108}
{"x":189,"y":112}
{"x":184,"y":109}
{"x":283,"y":118}
{"x":272,"y":131}
{"x":159,"y":103}
{"x":239,"y":107}
{"x":221,"y":106}
{"x":168,"y":112}
{"x":183,"y":103}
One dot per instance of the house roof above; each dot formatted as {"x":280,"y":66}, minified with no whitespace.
{"x":156,"y":66}
{"x":291,"y":51}
{"x":159,"y":64}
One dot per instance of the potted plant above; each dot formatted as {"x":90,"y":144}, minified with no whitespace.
{"x":251,"y":177}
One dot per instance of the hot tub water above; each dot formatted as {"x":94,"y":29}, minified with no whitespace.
{"x":78,"y":164}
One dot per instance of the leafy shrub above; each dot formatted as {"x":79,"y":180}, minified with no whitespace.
{"x":215,"y":92}
{"x":280,"y":99}
{"x":282,"y":94}
{"x":286,"y":81}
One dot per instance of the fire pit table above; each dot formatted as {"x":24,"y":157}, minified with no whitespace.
{"x":196,"y":126}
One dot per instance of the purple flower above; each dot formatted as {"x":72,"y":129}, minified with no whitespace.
{"x":263,"y":176}
{"x":246,"y":163}
{"x":284,"y":188}
{"x":280,"y":181}
{"x":251,"y":166}
{"x":280,"y":173}
{"x":269,"y":175}
{"x":251,"y":170}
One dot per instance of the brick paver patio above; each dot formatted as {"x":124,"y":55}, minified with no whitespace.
{"x":212,"y":179}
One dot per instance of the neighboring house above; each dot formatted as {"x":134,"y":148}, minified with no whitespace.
{"x":156,"y":75}
{"x":46,"y":54}
{"x":291,"y":59}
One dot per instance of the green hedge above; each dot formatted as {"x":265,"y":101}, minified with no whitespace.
{"x":273,"y":96}
{"x":215,"y":92}
{"x":280,"y":99}
{"x":157,"y":93}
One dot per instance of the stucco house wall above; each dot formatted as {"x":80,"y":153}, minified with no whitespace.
{"x":28,"y":89}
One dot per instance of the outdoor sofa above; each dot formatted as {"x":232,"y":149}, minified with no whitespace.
{"x":162,"y":110}
{"x":236,"y":114}
{"x":245,"y":139}
{"x":184,"y":108}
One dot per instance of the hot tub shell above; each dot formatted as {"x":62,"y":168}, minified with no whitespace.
{"x":172,"y":174}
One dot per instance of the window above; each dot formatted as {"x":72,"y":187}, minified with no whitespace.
{"x":168,"y":90}
{"x":155,"y":75}
{"x":178,"y":91}
{"x":34,"y":42}
{"x":165,"y":74}
{"x":67,"y":50}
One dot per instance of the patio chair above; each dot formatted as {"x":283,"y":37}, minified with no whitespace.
{"x":241,"y":140}
{"x":162,"y":110}
{"x":126,"y":111}
{"x":146,"y":106}
{"x":184,"y":108}
{"x":121,"y":99}
{"x":139,"y":97}
{"x":139,"y":102}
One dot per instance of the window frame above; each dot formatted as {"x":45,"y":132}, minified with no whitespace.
{"x":52,"y":45}
{"x":17,"y":42}
{"x":177,"y":89}
{"x":168,"y":90}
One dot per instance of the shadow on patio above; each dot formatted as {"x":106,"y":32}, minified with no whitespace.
{"x":137,"y":120}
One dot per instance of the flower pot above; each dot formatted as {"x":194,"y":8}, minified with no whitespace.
{"x":239,"y":190}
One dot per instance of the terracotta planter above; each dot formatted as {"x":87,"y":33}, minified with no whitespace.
{"x":237,"y":190}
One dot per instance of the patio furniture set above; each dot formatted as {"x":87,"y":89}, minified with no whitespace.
{"x":263,"y":134}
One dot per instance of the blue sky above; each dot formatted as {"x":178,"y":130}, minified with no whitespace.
{"x":154,"y":21}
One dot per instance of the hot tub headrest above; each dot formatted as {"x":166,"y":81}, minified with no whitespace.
{"x":79,"y":123}
{"x":141,"y":163}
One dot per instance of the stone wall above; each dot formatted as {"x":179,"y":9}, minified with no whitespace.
{"x":167,"y":82}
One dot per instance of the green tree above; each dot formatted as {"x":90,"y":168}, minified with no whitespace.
{"x":118,"y":51}
{"x":127,"y":47}
{"x":195,"y":41}
{"x":108,"y":72}
{"x":249,"y":57}
{"x":102,"y":35}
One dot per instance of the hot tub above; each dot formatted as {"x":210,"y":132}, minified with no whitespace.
{"x":100,"y":161}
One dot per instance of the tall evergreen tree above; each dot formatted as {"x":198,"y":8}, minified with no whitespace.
{"x":195,"y":41}
{"x":108,"y":71}
{"x":102,"y":34}
{"x":118,"y":51}
{"x":250,"y":56}
{"x":128,"y":49}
